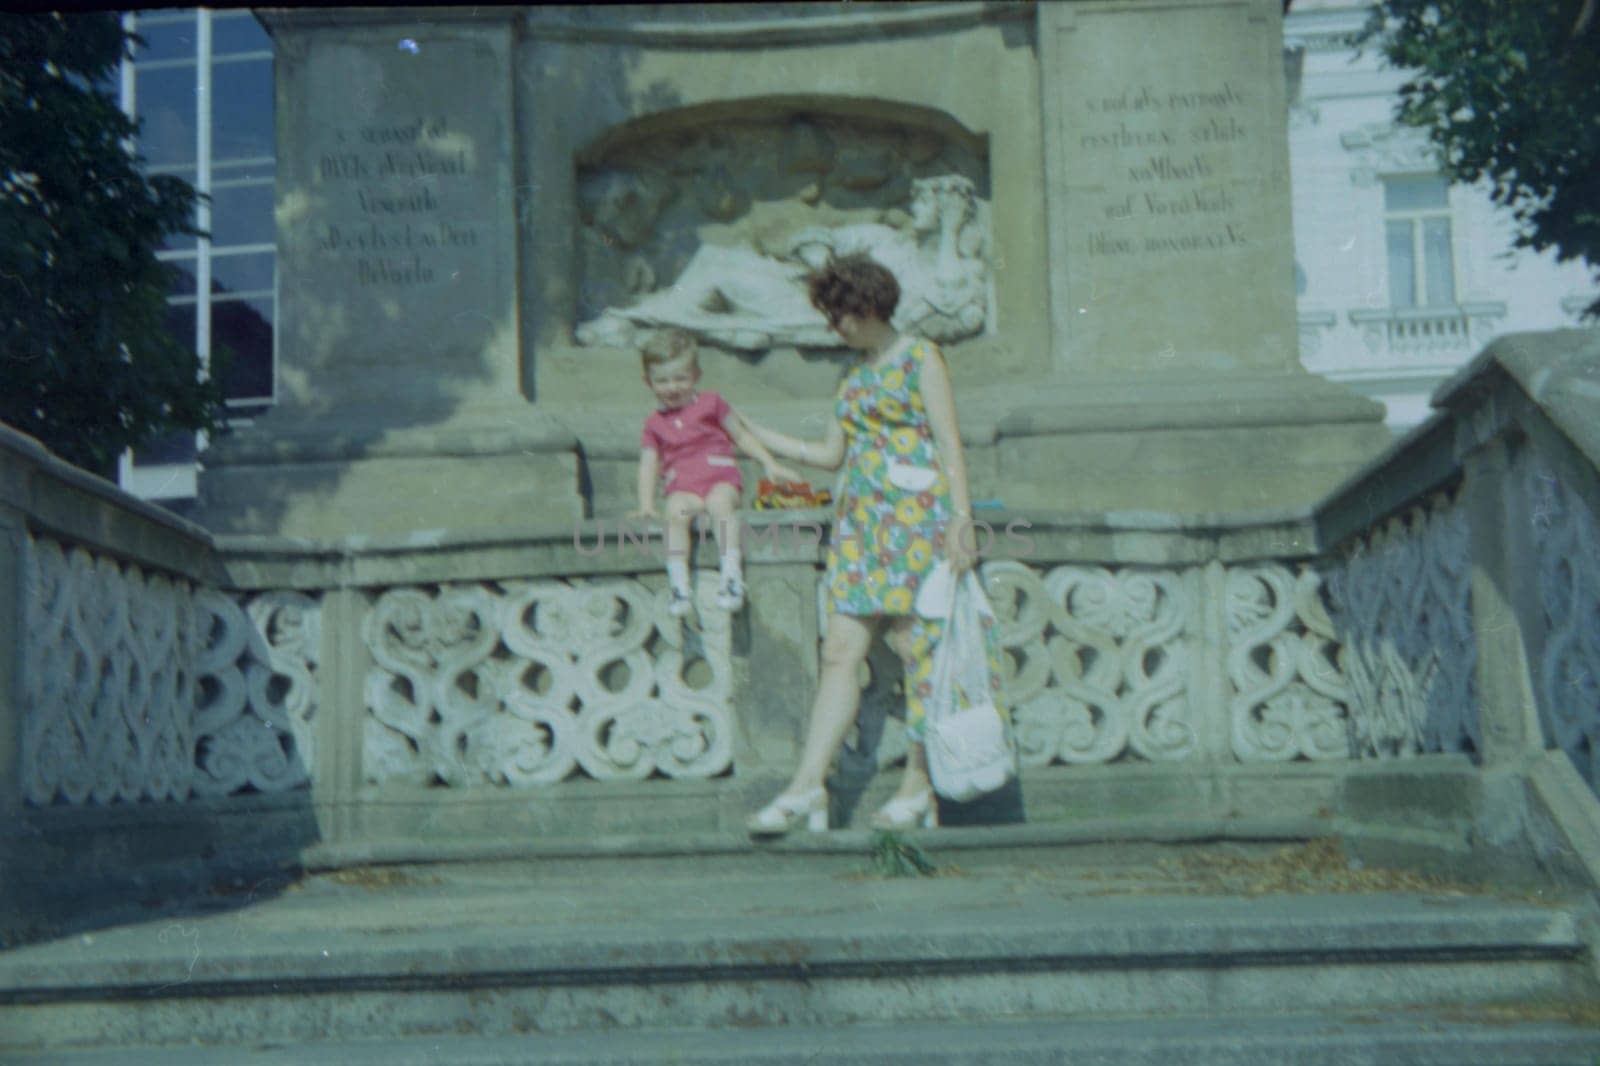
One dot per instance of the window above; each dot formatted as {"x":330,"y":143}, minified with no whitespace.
{"x":1416,"y":212}
{"x":201,"y":88}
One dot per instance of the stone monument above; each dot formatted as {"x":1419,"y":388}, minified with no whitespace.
{"x":482,"y":210}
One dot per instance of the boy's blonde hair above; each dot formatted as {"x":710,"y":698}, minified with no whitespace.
{"x":667,"y":345}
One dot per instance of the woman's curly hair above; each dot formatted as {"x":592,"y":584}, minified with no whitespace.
{"x":854,"y":284}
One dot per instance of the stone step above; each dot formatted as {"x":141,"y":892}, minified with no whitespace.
{"x":513,"y":949}
{"x":1436,"y":1037}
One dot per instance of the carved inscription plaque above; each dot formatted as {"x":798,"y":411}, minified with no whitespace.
{"x":1171,"y":152}
{"x":388,"y":209}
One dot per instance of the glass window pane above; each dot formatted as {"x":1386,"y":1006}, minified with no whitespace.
{"x":166,"y":40}
{"x":178,"y":446}
{"x":244,"y":329}
{"x":242,"y":273}
{"x":241,"y":214}
{"x":1402,"y":266}
{"x":1415,"y":193}
{"x":241,"y":109}
{"x":175,"y":447}
{"x":180,"y":321}
{"x":182,"y":275}
{"x":179,"y":242}
{"x":1437,"y":262}
{"x":165,"y":101}
{"x":237,"y":32}
{"x":234,"y":169}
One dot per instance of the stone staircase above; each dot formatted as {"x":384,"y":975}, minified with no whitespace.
{"x":1237,"y":952}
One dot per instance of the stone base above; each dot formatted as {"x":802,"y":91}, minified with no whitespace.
{"x":1235,"y":442}
{"x":1232,"y":442}
{"x":363,"y":472}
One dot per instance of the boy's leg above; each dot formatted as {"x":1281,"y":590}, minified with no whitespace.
{"x":680,"y":507}
{"x":723,"y":505}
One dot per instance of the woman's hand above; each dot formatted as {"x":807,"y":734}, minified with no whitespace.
{"x":781,"y":474}
{"x":647,"y":511}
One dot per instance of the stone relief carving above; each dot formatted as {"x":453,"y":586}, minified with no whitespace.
{"x":1100,"y":664}
{"x":714,"y":233}
{"x":1401,"y":605}
{"x":257,"y":693}
{"x":1567,"y":540}
{"x":107,"y":709}
{"x":1289,"y":697}
{"x":1382,"y":147}
{"x":141,"y":687}
{"x":529,"y":682}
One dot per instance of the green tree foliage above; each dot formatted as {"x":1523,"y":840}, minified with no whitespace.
{"x":87,"y":364}
{"x":1509,"y":93}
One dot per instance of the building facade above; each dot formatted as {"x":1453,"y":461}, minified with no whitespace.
{"x":1401,"y":276}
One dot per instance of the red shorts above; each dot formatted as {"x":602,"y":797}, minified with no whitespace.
{"x":699,"y":474}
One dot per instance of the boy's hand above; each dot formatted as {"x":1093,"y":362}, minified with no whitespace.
{"x":647,"y":511}
{"x":781,"y":474}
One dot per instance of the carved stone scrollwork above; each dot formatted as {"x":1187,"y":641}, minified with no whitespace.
{"x":526,"y":683}
{"x":106,"y":680}
{"x":1567,"y":540}
{"x":1383,"y":148}
{"x":1402,"y":609}
{"x":1099,"y":664}
{"x":256,"y":698}
{"x":1289,"y":698}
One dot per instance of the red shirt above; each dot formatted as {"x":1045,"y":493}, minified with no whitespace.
{"x":691,"y":431}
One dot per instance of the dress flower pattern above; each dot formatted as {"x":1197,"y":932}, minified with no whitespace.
{"x":893,"y":508}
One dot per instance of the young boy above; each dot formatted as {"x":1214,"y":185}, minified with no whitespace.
{"x":688,"y":444}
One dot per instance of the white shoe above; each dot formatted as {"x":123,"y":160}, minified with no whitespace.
{"x":903,"y":812}
{"x":679,"y":603}
{"x":785,"y":812}
{"x":730,"y":597}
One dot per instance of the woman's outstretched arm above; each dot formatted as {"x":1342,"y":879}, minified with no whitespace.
{"x":827,"y":453}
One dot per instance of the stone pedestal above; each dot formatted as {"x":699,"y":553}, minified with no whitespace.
{"x":399,"y":403}
{"x":449,"y":216}
{"x":1171,"y":274}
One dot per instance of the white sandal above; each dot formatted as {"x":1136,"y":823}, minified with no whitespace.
{"x":903,"y":812}
{"x":785,"y":812}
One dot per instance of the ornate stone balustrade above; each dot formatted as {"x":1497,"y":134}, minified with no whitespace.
{"x":532,"y":682}
{"x":1400,"y":595}
{"x":410,"y":683}
{"x":1566,"y":673}
{"x":1127,"y":662}
{"x":1464,"y":564}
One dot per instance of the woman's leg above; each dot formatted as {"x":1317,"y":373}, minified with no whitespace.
{"x":844,"y":648}
{"x":913,"y":639}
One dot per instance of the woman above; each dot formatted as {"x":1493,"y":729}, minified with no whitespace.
{"x":903,"y":500}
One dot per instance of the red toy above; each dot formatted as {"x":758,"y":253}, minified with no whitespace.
{"x":790,"y":495}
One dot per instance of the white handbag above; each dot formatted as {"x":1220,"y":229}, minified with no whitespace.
{"x":968,"y":750}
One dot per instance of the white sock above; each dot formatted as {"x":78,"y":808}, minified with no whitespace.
{"x":732,"y":566}
{"x":678,"y":575}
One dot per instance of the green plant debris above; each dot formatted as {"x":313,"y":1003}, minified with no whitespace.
{"x":895,"y":856}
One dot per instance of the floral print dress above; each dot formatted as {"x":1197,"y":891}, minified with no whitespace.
{"x":894,"y":504}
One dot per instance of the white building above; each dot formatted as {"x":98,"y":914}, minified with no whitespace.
{"x":1400,"y":277}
